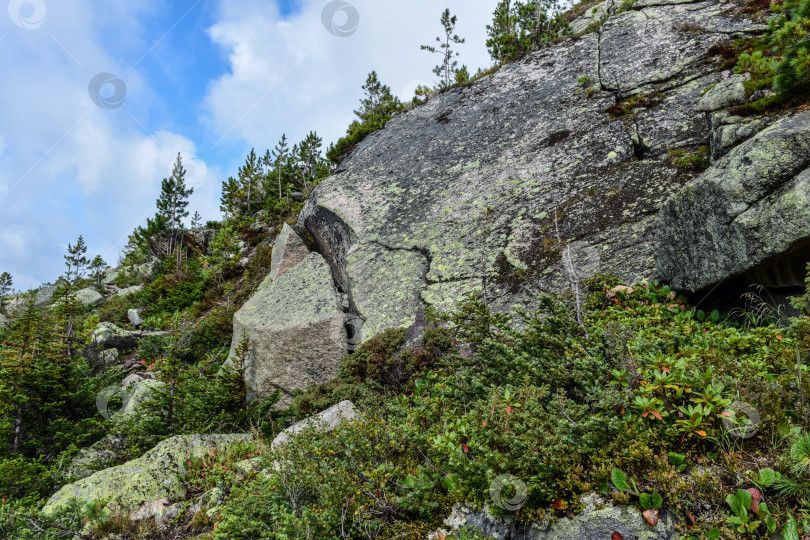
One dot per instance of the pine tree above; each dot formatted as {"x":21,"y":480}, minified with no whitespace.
{"x":196,"y":220}
{"x":173,"y":200}
{"x":230,"y":200}
{"x":793,"y":34}
{"x":280,"y":154}
{"x":519,"y":26}
{"x":309,"y":163}
{"x":447,"y":69}
{"x":250,"y":179}
{"x":76,"y":261}
{"x":97,"y":267}
{"x":5,"y":288}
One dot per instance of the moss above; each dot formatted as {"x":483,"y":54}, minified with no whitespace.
{"x":696,"y":160}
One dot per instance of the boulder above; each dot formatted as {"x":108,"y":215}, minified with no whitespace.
{"x":110,"y":276}
{"x":134,"y":318}
{"x":3,"y":321}
{"x":748,"y":215}
{"x":593,"y":525}
{"x":108,"y":357}
{"x":296,"y":329}
{"x":129,"y":290}
{"x":726,"y":93}
{"x":324,"y":421}
{"x":288,"y":251}
{"x":44,"y":295}
{"x":140,"y":485}
{"x":100,"y":455}
{"x":137,"y":393}
{"x":108,"y":336}
{"x":89,"y":297}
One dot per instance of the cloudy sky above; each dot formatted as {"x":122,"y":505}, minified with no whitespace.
{"x":98,"y":97}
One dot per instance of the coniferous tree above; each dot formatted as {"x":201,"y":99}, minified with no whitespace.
{"x":5,"y":288}
{"x":97,"y":267}
{"x":793,"y":33}
{"x":250,"y":179}
{"x":196,"y":220}
{"x":446,"y":71}
{"x":518,"y":26}
{"x":76,"y":261}
{"x":173,"y":199}
{"x":280,"y":153}
{"x":309,"y":163}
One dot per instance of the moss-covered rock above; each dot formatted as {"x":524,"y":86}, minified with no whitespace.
{"x":136,"y":485}
{"x":109,"y":336}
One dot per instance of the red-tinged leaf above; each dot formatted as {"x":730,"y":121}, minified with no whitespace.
{"x":701,"y":433}
{"x":616,"y":536}
{"x":666,"y":369}
{"x":465,"y":448}
{"x":440,"y":535}
{"x":779,"y":337}
{"x":485,"y":423}
{"x":725,"y":413}
{"x":756,"y":497}
{"x":680,"y":414}
{"x":559,"y":504}
{"x":657,"y":415}
{"x":508,"y":408}
{"x":651,"y":516}
{"x":622,"y":411}
{"x":689,"y":518}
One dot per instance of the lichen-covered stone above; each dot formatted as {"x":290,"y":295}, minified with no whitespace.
{"x":44,"y":295}
{"x":108,"y":336}
{"x":288,"y":251}
{"x":89,"y":297}
{"x":3,"y":321}
{"x":323,"y":421}
{"x":135,"y":485}
{"x":134,"y":318}
{"x":129,"y":290}
{"x":751,"y":206}
{"x":594,"y":525}
{"x":726,"y":93}
{"x":296,"y":329}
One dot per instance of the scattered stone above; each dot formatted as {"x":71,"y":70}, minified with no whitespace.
{"x":129,"y":290}
{"x":324,"y":421}
{"x":108,"y":357}
{"x":134,"y":318}
{"x":109,"y":336}
{"x":44,"y":295}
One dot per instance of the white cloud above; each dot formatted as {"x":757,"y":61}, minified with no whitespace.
{"x":294,"y":76}
{"x":68,"y":166}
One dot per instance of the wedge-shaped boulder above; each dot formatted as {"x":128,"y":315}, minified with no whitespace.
{"x":324,"y":421}
{"x":288,"y":251}
{"x":136,"y":485}
{"x":296,"y":330}
{"x":750,"y":212}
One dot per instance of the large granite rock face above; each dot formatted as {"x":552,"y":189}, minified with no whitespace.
{"x":467,"y":187}
{"x":288,"y":251}
{"x":753,"y":206}
{"x":146,"y":483}
{"x":296,"y":328}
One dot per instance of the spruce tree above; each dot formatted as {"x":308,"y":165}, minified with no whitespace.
{"x":173,"y":200}
{"x":250,"y":180}
{"x":76,"y":261}
{"x":446,"y":71}
{"x":5,"y":288}
{"x":97,"y":267}
{"x":280,"y":154}
{"x":196,"y":220}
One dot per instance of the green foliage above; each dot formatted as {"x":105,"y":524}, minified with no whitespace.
{"x":695,"y":160}
{"x":5,"y":287}
{"x":519,"y":26}
{"x":793,"y":35}
{"x":376,"y":109}
{"x":447,"y":70}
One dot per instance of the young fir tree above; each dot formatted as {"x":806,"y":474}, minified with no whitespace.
{"x":76,"y":261}
{"x":97,"y":267}
{"x":280,"y":153}
{"x":5,"y":288}
{"x":446,"y":71}
{"x":196,"y":220}
{"x":173,"y":200}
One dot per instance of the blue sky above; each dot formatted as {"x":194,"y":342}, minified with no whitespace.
{"x":207,"y":78}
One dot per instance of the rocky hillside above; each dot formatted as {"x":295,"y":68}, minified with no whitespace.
{"x":616,"y":152}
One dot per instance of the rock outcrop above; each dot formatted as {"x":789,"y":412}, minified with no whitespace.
{"x":296,"y":328}
{"x":144,"y":485}
{"x":288,"y":251}
{"x":3,"y":321}
{"x":752,"y":207}
{"x":573,"y":149}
